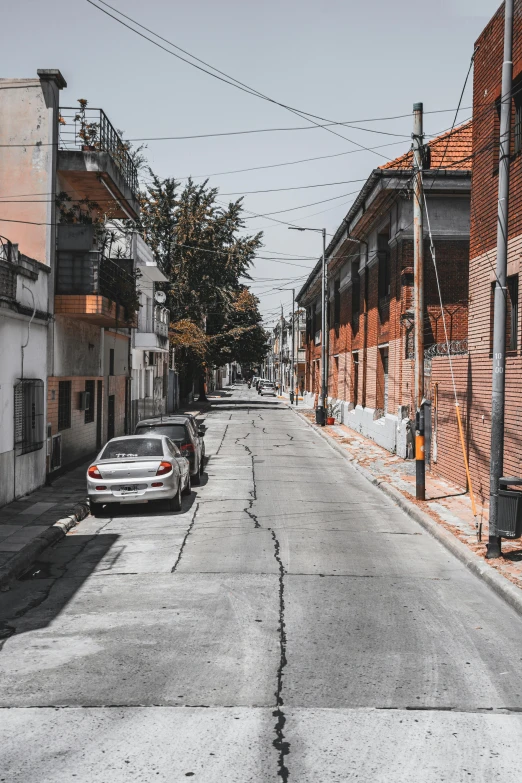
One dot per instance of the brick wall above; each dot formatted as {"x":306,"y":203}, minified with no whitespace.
{"x":385,"y":329}
{"x":80,"y":438}
{"x":474,"y":372}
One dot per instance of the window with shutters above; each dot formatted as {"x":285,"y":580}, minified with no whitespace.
{"x":29,"y":415}
{"x":64,"y":405}
{"x":384,"y":258}
{"x":337,"y":306}
{"x":356,"y":295}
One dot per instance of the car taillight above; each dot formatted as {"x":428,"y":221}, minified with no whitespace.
{"x":164,"y":467}
{"x":93,"y":472}
{"x":187,"y":447}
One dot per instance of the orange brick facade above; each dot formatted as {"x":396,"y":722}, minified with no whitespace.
{"x":474,"y":372}
{"x":370,"y":292}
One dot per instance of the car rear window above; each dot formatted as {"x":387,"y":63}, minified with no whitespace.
{"x":173,"y":431}
{"x":133,"y":447}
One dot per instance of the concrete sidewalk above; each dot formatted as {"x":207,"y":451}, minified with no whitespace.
{"x":446,"y":504}
{"x":29,"y":525}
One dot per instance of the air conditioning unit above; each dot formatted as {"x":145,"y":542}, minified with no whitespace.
{"x":85,"y":401}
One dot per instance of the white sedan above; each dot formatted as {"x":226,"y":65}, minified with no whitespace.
{"x":138,"y":469}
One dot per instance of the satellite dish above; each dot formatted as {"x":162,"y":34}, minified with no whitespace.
{"x":160,"y":296}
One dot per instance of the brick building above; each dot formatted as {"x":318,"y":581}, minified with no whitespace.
{"x":474,"y":370}
{"x":370,"y":282}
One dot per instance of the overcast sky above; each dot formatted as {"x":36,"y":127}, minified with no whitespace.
{"x":343,"y":60}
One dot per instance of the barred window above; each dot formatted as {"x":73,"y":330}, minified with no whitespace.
{"x":64,"y":405}
{"x":29,"y":415}
{"x":89,"y":411}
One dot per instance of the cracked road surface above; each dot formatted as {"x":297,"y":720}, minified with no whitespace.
{"x":290,"y":624}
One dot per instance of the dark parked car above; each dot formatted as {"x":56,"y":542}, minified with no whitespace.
{"x":186,"y":432}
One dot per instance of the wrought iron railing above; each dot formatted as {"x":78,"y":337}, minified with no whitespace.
{"x":7,"y":270}
{"x":161,"y":321}
{"x":89,"y":130}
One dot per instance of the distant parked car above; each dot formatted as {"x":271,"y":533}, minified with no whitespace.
{"x":137,"y":469}
{"x":262,"y":382}
{"x":268,"y":389}
{"x":186,"y":433}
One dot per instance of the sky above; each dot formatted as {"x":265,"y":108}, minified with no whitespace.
{"x":342,"y":60}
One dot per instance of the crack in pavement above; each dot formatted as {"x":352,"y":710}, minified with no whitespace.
{"x":222,"y":439}
{"x":187,"y":534}
{"x":280,"y":743}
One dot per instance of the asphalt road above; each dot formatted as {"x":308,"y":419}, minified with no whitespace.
{"x":290,"y":624}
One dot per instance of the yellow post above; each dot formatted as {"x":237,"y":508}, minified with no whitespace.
{"x":461,"y":432}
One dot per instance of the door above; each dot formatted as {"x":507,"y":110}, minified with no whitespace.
{"x":99,"y":411}
{"x":110,"y":417}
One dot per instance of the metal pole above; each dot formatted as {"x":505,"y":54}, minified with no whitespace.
{"x":418,"y":286}
{"x":324,"y":326}
{"x":293,"y":348}
{"x":499,"y":319}
{"x":281,"y":354}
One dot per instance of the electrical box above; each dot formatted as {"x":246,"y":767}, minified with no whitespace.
{"x":85,"y":401}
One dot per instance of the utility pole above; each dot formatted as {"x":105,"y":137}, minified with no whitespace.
{"x":499,"y":319}
{"x":281,"y":352}
{"x":293,"y":348}
{"x":324,"y":369}
{"x":418,"y":300}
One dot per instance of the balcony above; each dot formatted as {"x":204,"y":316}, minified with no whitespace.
{"x":153,"y":328}
{"x":301,"y":356}
{"x":94,"y":162}
{"x":96,"y":289}
{"x":7,"y":271}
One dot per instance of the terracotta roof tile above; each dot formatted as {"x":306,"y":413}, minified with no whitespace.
{"x":451,"y":149}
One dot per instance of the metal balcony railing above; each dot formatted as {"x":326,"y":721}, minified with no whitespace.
{"x":7,"y":271}
{"x":89,"y":130}
{"x":91,"y":273}
{"x":161,"y":321}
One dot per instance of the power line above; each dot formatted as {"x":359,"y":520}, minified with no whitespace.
{"x":230,"y":80}
{"x":298,"y":187}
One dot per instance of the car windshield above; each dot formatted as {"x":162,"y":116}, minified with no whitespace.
{"x":133,"y":447}
{"x":172,"y":431}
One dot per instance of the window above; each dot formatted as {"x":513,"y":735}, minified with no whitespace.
{"x":172,"y":431}
{"x":29,"y":415}
{"x":511,"y":313}
{"x":383,"y":253}
{"x":89,"y":411}
{"x":64,"y":405}
{"x":111,"y":361}
{"x":355,"y":378}
{"x":337,"y":305}
{"x":133,"y":447}
{"x":356,"y":294}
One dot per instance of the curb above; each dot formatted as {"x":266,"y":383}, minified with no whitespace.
{"x":498,"y":583}
{"x":23,"y":559}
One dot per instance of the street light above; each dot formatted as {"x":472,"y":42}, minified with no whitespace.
{"x":320,"y":413}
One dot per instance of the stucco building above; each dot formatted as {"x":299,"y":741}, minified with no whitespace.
{"x":65,"y":174}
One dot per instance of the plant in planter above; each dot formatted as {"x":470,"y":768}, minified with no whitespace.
{"x":89,"y":131}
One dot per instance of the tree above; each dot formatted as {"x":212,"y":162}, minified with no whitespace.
{"x":197,"y":243}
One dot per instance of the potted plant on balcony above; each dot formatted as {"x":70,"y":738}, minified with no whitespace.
{"x":89,"y":131}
